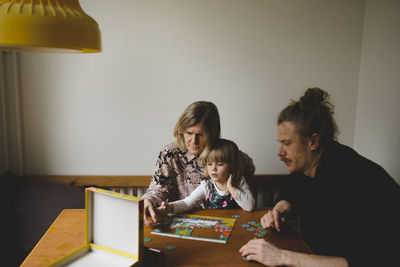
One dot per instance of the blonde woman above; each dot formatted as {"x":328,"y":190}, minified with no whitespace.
{"x":178,"y":172}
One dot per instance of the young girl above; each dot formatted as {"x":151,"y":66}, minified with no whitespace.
{"x":227,"y":188}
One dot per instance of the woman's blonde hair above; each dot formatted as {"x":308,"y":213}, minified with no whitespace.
{"x":224,"y":151}
{"x":203,"y":112}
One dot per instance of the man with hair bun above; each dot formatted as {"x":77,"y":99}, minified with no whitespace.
{"x":348,"y":206}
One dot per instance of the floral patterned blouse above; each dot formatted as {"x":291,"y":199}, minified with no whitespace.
{"x":178,"y":173}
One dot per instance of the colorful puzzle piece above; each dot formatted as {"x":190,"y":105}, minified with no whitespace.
{"x":257,"y":228}
{"x":170,"y":247}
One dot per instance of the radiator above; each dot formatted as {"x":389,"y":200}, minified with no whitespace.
{"x":129,"y":190}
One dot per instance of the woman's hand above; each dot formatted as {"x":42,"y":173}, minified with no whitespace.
{"x":263,"y":252}
{"x":231,"y":189}
{"x":149,"y":212}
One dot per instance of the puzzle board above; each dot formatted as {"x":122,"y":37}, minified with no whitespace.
{"x":204,"y":228}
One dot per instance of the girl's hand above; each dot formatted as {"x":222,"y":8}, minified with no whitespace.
{"x":165,"y":207}
{"x":231,"y":189}
{"x":163,"y":211}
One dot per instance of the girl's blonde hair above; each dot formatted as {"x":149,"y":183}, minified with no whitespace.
{"x":203,"y":112}
{"x":224,"y":151}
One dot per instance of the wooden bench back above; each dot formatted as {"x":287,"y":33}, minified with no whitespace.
{"x":115,"y":182}
{"x":264,"y":186}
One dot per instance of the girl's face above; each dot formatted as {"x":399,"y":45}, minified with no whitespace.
{"x":218,"y":171}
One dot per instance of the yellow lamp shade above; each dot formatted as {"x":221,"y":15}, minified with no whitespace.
{"x":59,"y":26}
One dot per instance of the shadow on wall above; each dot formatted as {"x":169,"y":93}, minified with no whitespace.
{"x":30,"y":208}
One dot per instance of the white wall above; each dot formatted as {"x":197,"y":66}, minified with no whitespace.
{"x":378,"y":109}
{"x":110,"y":113}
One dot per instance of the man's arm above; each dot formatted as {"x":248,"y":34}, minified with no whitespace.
{"x":268,"y":254}
{"x":292,"y":258}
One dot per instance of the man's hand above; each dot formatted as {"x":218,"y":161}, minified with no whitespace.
{"x":272,"y":219}
{"x":275,"y":217}
{"x":268,"y":254}
{"x":263,"y":252}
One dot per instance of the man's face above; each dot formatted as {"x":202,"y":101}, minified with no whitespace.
{"x":294,"y":153}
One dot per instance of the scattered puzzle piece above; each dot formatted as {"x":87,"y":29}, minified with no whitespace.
{"x":147,"y":239}
{"x":264,"y":231}
{"x":255,"y":227}
{"x":170,"y":247}
{"x":255,"y":224}
{"x":236,"y":216}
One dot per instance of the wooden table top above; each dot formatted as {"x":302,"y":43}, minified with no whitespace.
{"x":67,"y":234}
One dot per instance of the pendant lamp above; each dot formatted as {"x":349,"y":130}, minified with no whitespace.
{"x":59,"y":26}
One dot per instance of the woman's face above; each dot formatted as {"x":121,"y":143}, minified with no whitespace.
{"x":194,"y":139}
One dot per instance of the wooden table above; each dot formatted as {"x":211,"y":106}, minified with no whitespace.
{"x":67,"y":234}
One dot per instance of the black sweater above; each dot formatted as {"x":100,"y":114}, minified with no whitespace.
{"x":351,"y":208}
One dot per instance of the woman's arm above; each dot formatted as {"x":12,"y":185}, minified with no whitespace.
{"x":160,"y":185}
{"x":164,"y":176}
